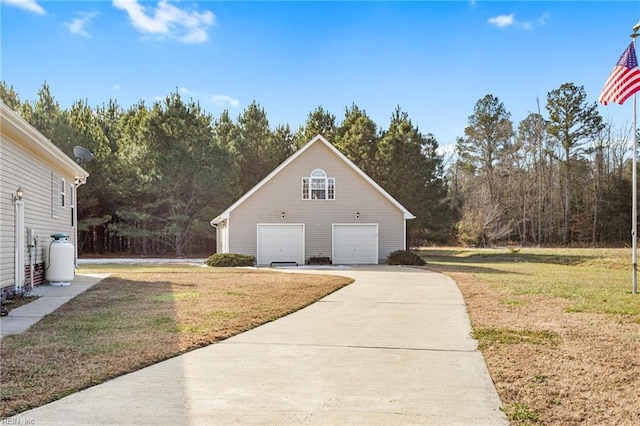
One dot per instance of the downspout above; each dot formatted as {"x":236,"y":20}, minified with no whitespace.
{"x":406,"y":242}
{"x":77,"y":183}
{"x":19,"y":245}
{"x":217,"y":235}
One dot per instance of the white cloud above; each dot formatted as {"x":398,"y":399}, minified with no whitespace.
{"x":543,"y":18}
{"x":116,"y":87}
{"x":78,"y":25}
{"x":167,"y":20}
{"x":29,"y":5}
{"x":526,"y":25}
{"x":501,"y":21}
{"x":224,"y":100}
{"x":217,"y":99}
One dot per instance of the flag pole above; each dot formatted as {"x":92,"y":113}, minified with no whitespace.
{"x":623,"y":82}
{"x":634,"y":213}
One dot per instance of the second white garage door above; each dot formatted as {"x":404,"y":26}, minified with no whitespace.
{"x":355,"y":244}
{"x":280,"y":243}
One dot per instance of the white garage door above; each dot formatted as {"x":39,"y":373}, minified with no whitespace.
{"x":355,"y":244}
{"x":280,"y":243}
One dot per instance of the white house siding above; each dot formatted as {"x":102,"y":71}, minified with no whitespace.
{"x":24,"y":165}
{"x":353,"y":194}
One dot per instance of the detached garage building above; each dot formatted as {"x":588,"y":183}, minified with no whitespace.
{"x":316,"y":206}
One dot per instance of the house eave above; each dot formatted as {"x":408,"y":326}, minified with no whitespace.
{"x":38,"y":143}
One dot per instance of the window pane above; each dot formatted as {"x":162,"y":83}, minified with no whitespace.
{"x":317,"y":194}
{"x":318,"y":188}
{"x":317,"y":184}
{"x":332,"y":189}
{"x":62,"y":194}
{"x":305,"y":188}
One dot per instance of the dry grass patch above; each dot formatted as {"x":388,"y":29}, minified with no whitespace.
{"x":559,"y":329}
{"x":15,"y":302}
{"x":139,"y":316}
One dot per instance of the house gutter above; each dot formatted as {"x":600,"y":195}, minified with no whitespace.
{"x":219,"y":219}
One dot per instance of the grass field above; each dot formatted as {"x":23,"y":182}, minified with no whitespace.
{"x":559,"y":329}
{"x":139,"y":316}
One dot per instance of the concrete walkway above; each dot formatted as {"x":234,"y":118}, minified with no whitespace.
{"x":392,"y":348}
{"x":51,"y":298}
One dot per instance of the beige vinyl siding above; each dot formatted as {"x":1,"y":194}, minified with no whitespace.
{"x":7,"y":215}
{"x":20,"y":167}
{"x":353,"y":194}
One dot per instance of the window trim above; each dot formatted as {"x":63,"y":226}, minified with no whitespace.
{"x":331,"y":188}
{"x":63,"y":193}
{"x":318,"y":183}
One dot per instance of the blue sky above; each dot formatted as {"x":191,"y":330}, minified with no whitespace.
{"x":433,"y":59}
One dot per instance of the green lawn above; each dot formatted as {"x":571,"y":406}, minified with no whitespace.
{"x":558,"y":328}
{"x":594,"y":280}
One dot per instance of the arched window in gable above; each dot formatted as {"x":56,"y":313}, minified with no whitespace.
{"x":318,"y":186}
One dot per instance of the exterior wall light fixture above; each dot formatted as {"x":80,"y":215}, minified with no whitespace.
{"x":18,"y":195}
{"x":283,"y":215}
{"x":357,"y":215}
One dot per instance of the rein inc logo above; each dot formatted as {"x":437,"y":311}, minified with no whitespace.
{"x":17,"y":421}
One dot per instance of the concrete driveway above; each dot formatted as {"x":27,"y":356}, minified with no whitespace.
{"x":392,"y":348}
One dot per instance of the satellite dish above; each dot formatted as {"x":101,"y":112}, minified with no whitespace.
{"x":82,"y":155}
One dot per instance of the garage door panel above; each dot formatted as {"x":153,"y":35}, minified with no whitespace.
{"x":280,"y":243}
{"x":355,"y":244}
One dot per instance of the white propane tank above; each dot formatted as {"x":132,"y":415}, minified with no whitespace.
{"x":58,"y":261}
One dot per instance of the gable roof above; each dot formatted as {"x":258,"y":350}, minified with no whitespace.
{"x":39,"y":144}
{"x":318,"y":139}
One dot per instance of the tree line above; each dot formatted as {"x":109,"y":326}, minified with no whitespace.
{"x":162,"y":172}
{"x":563,"y":179}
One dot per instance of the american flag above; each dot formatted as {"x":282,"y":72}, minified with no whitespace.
{"x":624,"y":80}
